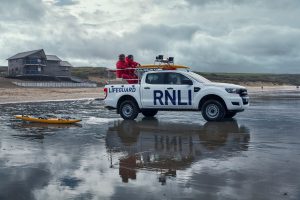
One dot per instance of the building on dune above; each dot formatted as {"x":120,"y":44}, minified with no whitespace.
{"x":37,"y":64}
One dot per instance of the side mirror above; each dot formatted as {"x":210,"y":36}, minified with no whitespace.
{"x":187,"y":82}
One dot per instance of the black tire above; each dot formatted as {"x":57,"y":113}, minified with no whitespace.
{"x":213,"y":110}
{"x":128,"y":110}
{"x":230,"y":114}
{"x":149,"y":113}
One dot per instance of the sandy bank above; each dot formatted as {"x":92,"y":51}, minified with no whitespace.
{"x":15,"y":95}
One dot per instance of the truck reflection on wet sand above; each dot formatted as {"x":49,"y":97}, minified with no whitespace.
{"x":166,"y":147}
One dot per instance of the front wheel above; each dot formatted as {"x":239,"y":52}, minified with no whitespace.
{"x":128,"y":110}
{"x":213,"y":110}
{"x":149,"y":113}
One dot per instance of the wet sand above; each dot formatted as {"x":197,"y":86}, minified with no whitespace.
{"x":173,"y":156}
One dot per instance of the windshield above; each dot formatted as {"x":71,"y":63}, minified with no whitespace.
{"x":199,"y":77}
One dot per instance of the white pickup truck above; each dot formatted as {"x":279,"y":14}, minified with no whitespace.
{"x":176,"y":90}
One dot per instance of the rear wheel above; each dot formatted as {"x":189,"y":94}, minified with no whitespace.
{"x":230,"y":114}
{"x":129,"y":110}
{"x":213,"y":110}
{"x":149,"y":113}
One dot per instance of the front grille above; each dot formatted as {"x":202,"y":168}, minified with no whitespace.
{"x":245,"y":100}
{"x":244,"y":95}
{"x":243,"y":92}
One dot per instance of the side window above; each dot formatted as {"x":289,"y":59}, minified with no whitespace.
{"x":155,"y":78}
{"x":176,"y":79}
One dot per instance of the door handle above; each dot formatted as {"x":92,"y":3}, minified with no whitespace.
{"x":146,"y":88}
{"x":169,"y":88}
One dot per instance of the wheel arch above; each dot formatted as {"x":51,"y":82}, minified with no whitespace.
{"x":124,"y":98}
{"x":211,"y":97}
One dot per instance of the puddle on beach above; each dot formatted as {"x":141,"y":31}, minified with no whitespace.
{"x":176,"y":155}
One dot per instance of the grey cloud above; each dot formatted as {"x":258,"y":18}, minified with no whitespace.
{"x":207,"y":2}
{"x":108,"y":45}
{"x":246,"y":37}
{"x":252,"y":49}
{"x":270,"y":4}
{"x":65,"y":2}
{"x":182,"y":32}
{"x":267,"y":41}
{"x":158,"y":38}
{"x":20,"y":10}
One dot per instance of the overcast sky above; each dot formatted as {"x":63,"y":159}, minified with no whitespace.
{"x":208,"y":35}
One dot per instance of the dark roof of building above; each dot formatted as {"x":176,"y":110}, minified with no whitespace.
{"x":24,"y":54}
{"x":53,"y":57}
{"x":65,"y":64}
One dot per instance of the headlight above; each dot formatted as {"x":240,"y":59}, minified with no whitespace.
{"x":232,"y":90}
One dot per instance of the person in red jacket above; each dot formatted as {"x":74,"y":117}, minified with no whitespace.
{"x":121,"y":66}
{"x":123,"y":71}
{"x":132,"y":65}
{"x":130,"y":61}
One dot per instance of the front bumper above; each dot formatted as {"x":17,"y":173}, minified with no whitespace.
{"x":237,"y":103}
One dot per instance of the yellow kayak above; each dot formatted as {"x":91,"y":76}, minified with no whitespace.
{"x":47,"y":120}
{"x":164,"y":66}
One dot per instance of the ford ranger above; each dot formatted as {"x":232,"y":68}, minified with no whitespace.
{"x":176,"y":90}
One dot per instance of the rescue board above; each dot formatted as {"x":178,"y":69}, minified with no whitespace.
{"x":47,"y":120}
{"x":152,"y":66}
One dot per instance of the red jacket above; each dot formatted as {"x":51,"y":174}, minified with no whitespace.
{"x":121,"y":65}
{"x":131,"y":64}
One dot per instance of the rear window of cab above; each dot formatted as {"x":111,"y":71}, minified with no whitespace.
{"x":166,"y":78}
{"x":155,"y":78}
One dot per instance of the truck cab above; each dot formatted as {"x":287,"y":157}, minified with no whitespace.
{"x":176,"y":90}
